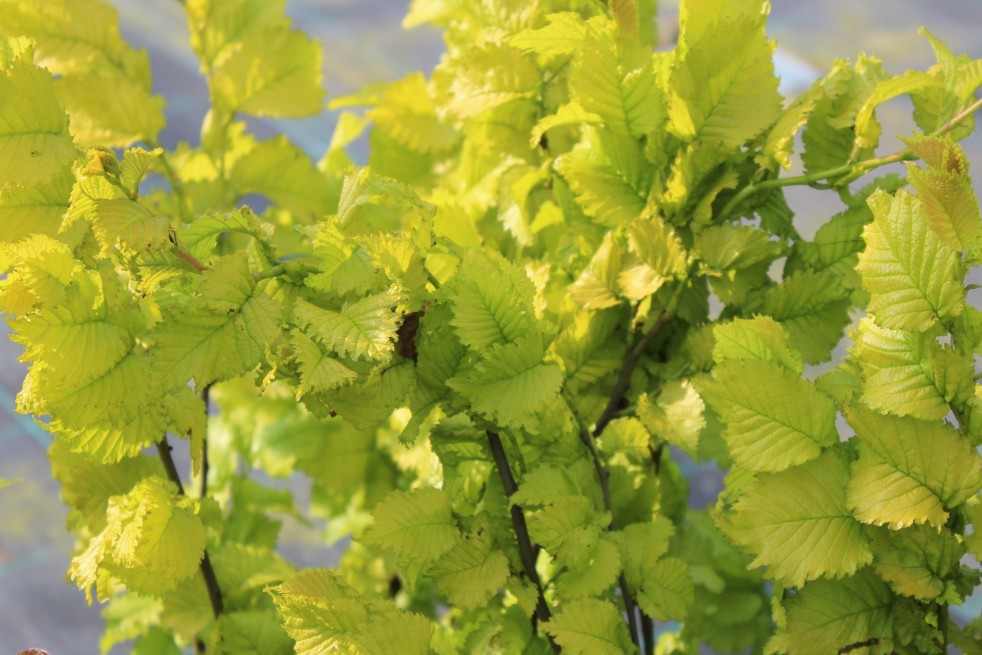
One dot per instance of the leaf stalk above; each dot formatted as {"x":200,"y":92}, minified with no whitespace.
{"x":846,"y":172}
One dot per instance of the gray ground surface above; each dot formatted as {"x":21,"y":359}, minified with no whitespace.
{"x":363,"y":42}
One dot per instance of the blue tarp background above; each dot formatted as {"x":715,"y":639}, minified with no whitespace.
{"x":363,"y":42}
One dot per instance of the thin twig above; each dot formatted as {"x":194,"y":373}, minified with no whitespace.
{"x":624,"y":379}
{"x":520,"y":527}
{"x":631,"y":360}
{"x":203,"y":482}
{"x":207,"y":572}
{"x":846,"y":170}
{"x":604,"y":476}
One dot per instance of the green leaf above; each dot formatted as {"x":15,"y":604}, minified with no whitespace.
{"x":610,"y":177}
{"x":813,"y":308}
{"x":916,"y":560}
{"x":219,"y":333}
{"x":829,"y":135}
{"x":103,"y":83}
{"x":867,"y":128}
{"x":914,"y":279}
{"x":627,"y":436}
{"x":399,"y":633}
{"x":253,"y":632}
{"x":365,"y":329}
{"x":89,"y":411}
{"x":945,"y":191}
{"x":676,"y":415}
{"x":756,"y":339}
{"x":150,"y":542}
{"x":666,"y":590}
{"x":318,"y":371}
{"x":511,"y":383}
{"x":797,"y":524}
{"x":215,"y":26}
{"x":471,"y":572}
{"x":111,"y":110}
{"x":156,"y":642}
{"x":641,"y":545}
{"x":596,"y":287}
{"x":828,"y":616}
{"x":774,"y":423}
{"x":568,"y":528}
{"x":492,"y":300}
{"x":619,"y":81}
{"x":324,"y":614}
{"x":243,"y":569}
{"x":269,"y":72}
{"x":590,"y":627}
{"x":34,"y":140}
{"x":593,"y":574}
{"x":733,"y":102}
{"x":563,"y":34}
{"x":909,"y":471}
{"x":285,"y":174}
{"x":407,"y":113}
{"x":836,"y":244}
{"x":87,"y":484}
{"x":200,"y":236}
{"x":123,"y":222}
{"x":39,"y":208}
{"x":489,"y":76}
{"x":569,"y":114}
{"x":368,"y":403}
{"x":722,"y":248}
{"x":658,"y":246}
{"x":910,"y":374}
{"x":780,"y":140}
{"x":414,"y":524}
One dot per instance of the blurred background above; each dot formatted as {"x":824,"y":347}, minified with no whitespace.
{"x":363,"y":42}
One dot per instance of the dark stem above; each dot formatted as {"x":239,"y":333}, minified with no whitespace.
{"x":648,"y":631}
{"x":203,"y":482}
{"x":631,"y":360}
{"x":859,"y":644}
{"x":163,"y":449}
{"x":630,"y":607}
{"x":199,"y":646}
{"x":656,"y":455}
{"x":207,"y":572}
{"x":520,"y":527}
{"x":943,"y":626}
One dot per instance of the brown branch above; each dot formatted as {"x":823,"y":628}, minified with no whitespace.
{"x":631,"y":360}
{"x":207,"y":572}
{"x":526,"y":551}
